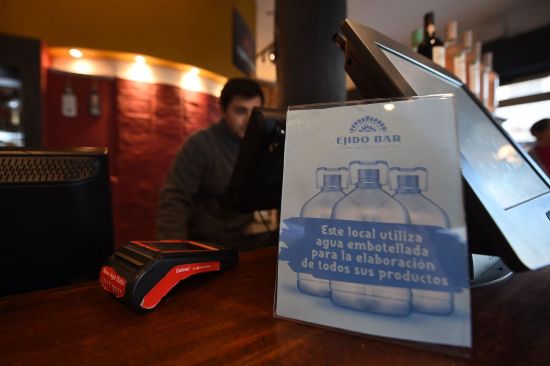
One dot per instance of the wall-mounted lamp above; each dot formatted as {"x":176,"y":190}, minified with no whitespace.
{"x":68,"y":102}
{"x":94,"y":101}
{"x":14,"y":103}
{"x":268,"y":51}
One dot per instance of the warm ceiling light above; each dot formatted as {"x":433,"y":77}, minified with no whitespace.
{"x":140,"y":59}
{"x":76,"y":53}
{"x":194,"y":71}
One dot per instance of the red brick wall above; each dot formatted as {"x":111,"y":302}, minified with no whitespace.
{"x":143,"y":126}
{"x":85,"y":129}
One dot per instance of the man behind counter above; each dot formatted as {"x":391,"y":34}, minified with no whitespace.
{"x":190,"y":203}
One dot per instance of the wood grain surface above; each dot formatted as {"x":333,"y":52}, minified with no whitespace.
{"x":227,"y":319}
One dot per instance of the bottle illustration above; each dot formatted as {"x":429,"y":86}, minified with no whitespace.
{"x":409,"y":183}
{"x":368,"y":202}
{"x":331,"y":182}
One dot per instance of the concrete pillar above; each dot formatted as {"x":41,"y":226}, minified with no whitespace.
{"x":310,"y":68}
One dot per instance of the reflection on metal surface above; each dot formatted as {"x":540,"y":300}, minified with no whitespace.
{"x":508,"y":154}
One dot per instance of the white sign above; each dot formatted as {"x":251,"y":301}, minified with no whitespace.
{"x":372,"y":222}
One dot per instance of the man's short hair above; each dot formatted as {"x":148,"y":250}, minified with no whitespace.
{"x":540,"y":126}
{"x":240,"y":86}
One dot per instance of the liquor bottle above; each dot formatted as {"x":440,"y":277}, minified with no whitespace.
{"x":473,"y":82}
{"x":432,"y":47}
{"x":455,"y":59}
{"x":368,"y":202}
{"x":489,"y":82}
{"x":474,"y":70}
{"x":330,"y":181}
{"x":467,"y":43}
{"x":409,"y":183}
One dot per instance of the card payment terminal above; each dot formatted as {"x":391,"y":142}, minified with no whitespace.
{"x":141,"y":273}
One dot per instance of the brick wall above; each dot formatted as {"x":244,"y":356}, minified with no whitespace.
{"x":143,"y":126}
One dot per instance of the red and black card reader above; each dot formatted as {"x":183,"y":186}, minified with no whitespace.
{"x":141,"y":273}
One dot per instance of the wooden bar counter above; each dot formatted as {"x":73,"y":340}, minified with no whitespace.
{"x":227,"y":319}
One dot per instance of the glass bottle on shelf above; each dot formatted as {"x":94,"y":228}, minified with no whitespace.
{"x":474,"y":70}
{"x":467,"y":47}
{"x":472,"y":62}
{"x":432,"y":46}
{"x":455,"y":60}
{"x":489,"y":82}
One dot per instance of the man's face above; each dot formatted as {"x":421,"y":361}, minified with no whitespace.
{"x":238,"y":113}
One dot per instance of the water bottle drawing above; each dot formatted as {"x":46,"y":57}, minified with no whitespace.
{"x":331,"y":182}
{"x":409,"y":183}
{"x":368,"y":202}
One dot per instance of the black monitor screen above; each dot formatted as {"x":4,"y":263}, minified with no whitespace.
{"x":256,"y":183}
{"x":507,"y":195}
{"x":56,"y":221}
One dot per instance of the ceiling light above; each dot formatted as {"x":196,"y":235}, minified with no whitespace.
{"x":75,"y":52}
{"x":140,"y":59}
